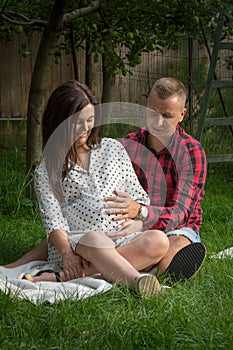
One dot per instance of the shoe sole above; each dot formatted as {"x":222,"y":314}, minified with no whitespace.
{"x":186,"y":262}
{"x":147,"y":285}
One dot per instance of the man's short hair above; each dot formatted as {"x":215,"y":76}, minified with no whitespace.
{"x":167,"y":87}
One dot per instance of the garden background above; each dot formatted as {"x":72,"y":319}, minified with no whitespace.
{"x":195,"y":314}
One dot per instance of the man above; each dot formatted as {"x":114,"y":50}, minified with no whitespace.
{"x":171,"y":166}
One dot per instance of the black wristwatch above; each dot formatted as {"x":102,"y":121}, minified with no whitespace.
{"x":142,"y":213}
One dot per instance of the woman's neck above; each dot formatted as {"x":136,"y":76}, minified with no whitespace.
{"x":83,"y":156}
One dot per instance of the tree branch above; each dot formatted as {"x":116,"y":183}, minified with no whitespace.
{"x":20,"y":19}
{"x":4,"y":6}
{"x":11,"y":17}
{"x":103,"y":18}
{"x":68,"y":17}
{"x":17,"y":14}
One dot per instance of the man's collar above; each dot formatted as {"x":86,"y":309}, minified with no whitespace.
{"x":144,"y":133}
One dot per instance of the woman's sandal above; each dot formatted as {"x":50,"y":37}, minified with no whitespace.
{"x":30,"y":278}
{"x":27,"y":277}
{"x":147,"y":285}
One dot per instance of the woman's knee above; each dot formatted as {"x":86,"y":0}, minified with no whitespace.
{"x":92,"y":241}
{"x":156,"y":241}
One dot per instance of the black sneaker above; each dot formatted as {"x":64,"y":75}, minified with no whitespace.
{"x":186,"y":262}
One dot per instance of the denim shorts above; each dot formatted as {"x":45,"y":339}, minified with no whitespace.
{"x":187,"y":232}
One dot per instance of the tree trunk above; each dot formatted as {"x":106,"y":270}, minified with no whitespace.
{"x":108,"y":95}
{"x":73,"y":52}
{"x":88,"y":65}
{"x":39,"y":83}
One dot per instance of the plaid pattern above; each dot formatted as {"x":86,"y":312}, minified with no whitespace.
{"x":174,"y":179}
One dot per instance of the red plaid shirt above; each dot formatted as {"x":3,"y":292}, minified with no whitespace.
{"x":174,"y":179}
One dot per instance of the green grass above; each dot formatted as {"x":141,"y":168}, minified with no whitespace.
{"x":197,"y":314}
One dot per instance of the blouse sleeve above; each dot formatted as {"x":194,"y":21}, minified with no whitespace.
{"x":49,"y":206}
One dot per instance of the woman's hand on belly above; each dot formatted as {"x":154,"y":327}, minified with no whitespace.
{"x":126,"y":228}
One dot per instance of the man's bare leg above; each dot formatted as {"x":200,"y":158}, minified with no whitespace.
{"x":40,"y":253}
{"x":176,"y":243}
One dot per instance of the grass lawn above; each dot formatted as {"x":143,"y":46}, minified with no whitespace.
{"x":197,"y":314}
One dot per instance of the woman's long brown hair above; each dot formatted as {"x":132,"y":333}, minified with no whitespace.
{"x":60,"y":114}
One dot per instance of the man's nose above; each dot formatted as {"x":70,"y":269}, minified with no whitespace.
{"x":158,"y":119}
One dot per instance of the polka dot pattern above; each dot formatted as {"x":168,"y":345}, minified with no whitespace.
{"x":110,"y":168}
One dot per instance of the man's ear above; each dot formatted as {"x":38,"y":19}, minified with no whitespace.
{"x":182,"y":114}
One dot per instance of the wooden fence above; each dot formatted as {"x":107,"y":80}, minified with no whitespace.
{"x":16,"y":73}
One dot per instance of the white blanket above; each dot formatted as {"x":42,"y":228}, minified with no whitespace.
{"x":40,"y":292}
{"x":226,"y":253}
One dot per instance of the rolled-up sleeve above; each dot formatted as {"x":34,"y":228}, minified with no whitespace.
{"x":49,"y":206}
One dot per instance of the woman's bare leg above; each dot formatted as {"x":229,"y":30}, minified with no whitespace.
{"x":142,"y":253}
{"x":145,"y":251}
{"x":40,"y":253}
{"x":100,"y":251}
